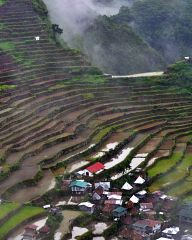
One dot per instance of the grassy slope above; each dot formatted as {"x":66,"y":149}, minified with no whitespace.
{"x":25,"y":213}
{"x":6,"y":208}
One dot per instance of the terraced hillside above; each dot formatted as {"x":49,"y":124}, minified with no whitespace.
{"x":58,"y":114}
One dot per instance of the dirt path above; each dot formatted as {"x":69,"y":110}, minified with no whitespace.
{"x":147,"y":74}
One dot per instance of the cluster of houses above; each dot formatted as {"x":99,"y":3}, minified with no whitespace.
{"x":31,"y":232}
{"x":143,"y":215}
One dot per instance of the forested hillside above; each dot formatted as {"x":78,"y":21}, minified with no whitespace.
{"x":143,"y":37}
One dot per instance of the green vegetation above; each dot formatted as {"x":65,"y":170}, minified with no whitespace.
{"x":93,"y":79}
{"x":88,"y":95}
{"x":144,"y":37}
{"x":6,"y":208}
{"x":122,"y":50}
{"x":2,"y":2}
{"x":163,"y":165}
{"x":6,"y":87}
{"x":2,"y":26}
{"x":177,"y":174}
{"x":188,"y":198}
{"x":25,"y":213}
{"x":21,"y":58}
{"x":40,"y":7}
{"x":180,"y":74}
{"x":182,"y":188}
{"x":5,"y":46}
{"x":102,"y":134}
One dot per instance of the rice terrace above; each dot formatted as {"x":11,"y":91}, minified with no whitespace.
{"x":83,"y":152}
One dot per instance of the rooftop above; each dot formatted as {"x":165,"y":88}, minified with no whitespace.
{"x":95,"y":167}
{"x":119,"y":209}
{"x":78,"y":183}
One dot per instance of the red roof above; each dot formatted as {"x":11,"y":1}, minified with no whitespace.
{"x":95,"y":167}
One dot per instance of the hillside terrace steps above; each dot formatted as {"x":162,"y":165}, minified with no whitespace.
{"x":47,"y":126}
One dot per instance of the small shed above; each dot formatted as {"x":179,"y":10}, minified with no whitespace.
{"x":30,"y":232}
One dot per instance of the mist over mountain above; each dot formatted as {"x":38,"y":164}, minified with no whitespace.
{"x":77,"y":15}
{"x":126,"y":36}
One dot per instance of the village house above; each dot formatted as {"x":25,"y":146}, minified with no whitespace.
{"x":127,"y":187}
{"x":146,"y":206}
{"x":105,"y":185}
{"x":94,"y":169}
{"x":141,"y":194}
{"x":114,"y":202}
{"x":79,"y":187}
{"x":87,"y":207}
{"x":171,"y":233}
{"x":151,"y":214}
{"x":185,"y":214}
{"x":96,"y":197}
{"x":55,"y":211}
{"x":139,"y":181}
{"x":134,"y":199}
{"x":147,"y":226}
{"x":119,"y":212}
{"x":114,"y":196}
{"x":30,"y":232}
